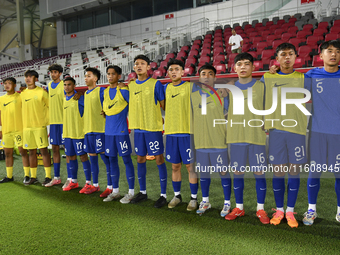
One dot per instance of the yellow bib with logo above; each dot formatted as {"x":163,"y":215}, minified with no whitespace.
{"x":293,"y":114}
{"x":178,"y":109}
{"x":117,"y":104}
{"x":73,"y":123}
{"x":56,"y":98}
{"x":247,"y":133}
{"x":93,"y":120}
{"x":10,"y":107}
{"x":144,"y":114}
{"x":206,"y":136}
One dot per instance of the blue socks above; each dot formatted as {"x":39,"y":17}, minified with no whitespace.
{"x":261,"y":188}
{"x":226,"y":185}
{"x":114,"y":172}
{"x":337,"y":188}
{"x":238,"y":188}
{"x":177,"y":186}
{"x":141,"y":172}
{"x":130,"y":171}
{"x":205,"y":185}
{"x":293,"y":186}
{"x":279,"y":190}
{"x":106,"y":161}
{"x":74,"y":168}
{"x":163,"y":175}
{"x":94,"y":168}
{"x":313,"y":187}
{"x":56,"y":167}
{"x":69,"y":173}
{"x":194,"y":189}
{"x":87,"y":170}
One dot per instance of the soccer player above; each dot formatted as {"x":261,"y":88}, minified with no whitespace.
{"x":177,"y":131}
{"x":35,"y":105}
{"x":73,"y":133}
{"x":117,"y":140}
{"x":324,"y":131}
{"x":247,"y":143}
{"x":11,"y":129}
{"x":210,"y":142}
{"x":94,"y":128}
{"x":145,"y":102}
{"x":287,"y":143}
{"x":55,"y":89}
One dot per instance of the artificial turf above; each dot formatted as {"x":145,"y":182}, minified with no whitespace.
{"x":40,"y":220}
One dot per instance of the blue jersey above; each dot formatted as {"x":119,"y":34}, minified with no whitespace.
{"x":80,"y":103}
{"x":325,"y":91}
{"x":116,"y":124}
{"x":159,"y":96}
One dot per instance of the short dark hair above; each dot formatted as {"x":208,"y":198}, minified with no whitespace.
{"x":142,"y":57}
{"x":93,"y":70}
{"x":69,"y":78}
{"x":244,"y":56}
{"x":117,"y":69}
{"x":32,"y":73}
{"x":208,"y":67}
{"x":173,"y":61}
{"x":13,"y":80}
{"x":325,"y":45}
{"x":285,"y":46}
{"x":56,"y":67}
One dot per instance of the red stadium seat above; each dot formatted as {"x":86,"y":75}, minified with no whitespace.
{"x":317,"y":61}
{"x":336,"y":23}
{"x":270,"y":39}
{"x":254,"y":54}
{"x":293,"y":30}
{"x":231,"y":58}
{"x":220,"y":69}
{"x":330,"y":37}
{"x":279,"y":32}
{"x":295,"y":42}
{"x":323,"y":24}
{"x":308,"y":27}
{"x":302,"y":34}
{"x":286,"y":36}
{"x":258,"y":65}
{"x":253,"y":34}
{"x":163,"y":64}
{"x":266,"y":56}
{"x":231,"y":68}
{"x":220,"y":59}
{"x":273,"y":28}
{"x":313,"y":40}
{"x":132,"y":75}
{"x":292,"y":20}
{"x":280,"y":22}
{"x":258,"y":25}
{"x":335,"y":30}
{"x":299,"y":62}
{"x":204,"y":60}
{"x":153,"y":65}
{"x":257,"y":39}
{"x":320,"y":31}
{"x":157,"y":74}
{"x":260,"y":47}
{"x":274,"y":62}
{"x":269,"y":23}
{"x":189,"y":71}
{"x":182,"y":55}
{"x":276,"y":43}
{"x":265,"y":33}
{"x":195,"y":47}
{"x":198,"y":42}
{"x":191,"y":61}
{"x":193,"y":53}
{"x":246,"y":47}
{"x":304,"y":52}
{"x":169,"y":55}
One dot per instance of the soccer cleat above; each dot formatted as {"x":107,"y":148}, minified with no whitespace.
{"x":226,"y":210}
{"x":26,"y":179}
{"x":309,"y":217}
{"x":277,"y":217}
{"x":236,"y":212}
{"x":66,"y":183}
{"x":46,"y":181}
{"x":112,"y":196}
{"x":106,"y":193}
{"x":337,"y":217}
{"x":72,"y":185}
{"x":291,"y":219}
{"x":139,"y":198}
{"x":203,"y":207}
{"x":85,"y":188}
{"x":55,"y":181}
{"x":126,"y":199}
{"x":32,"y":181}
{"x":262,"y":215}
{"x":91,"y":190}
{"x":160,"y":202}
{"x":192,"y":204}
{"x":175,"y":201}
{"x":6,"y":179}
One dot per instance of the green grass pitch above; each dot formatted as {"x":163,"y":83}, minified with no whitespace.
{"x":39,"y":220}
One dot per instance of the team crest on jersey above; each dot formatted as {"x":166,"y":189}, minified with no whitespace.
{"x":168,"y":156}
{"x":26,"y":145}
{"x":107,"y":150}
{"x":84,"y":146}
{"x":313,"y":162}
{"x":271,"y":157}
{"x":235,"y":164}
{"x":35,"y":97}
{"x":136,"y":149}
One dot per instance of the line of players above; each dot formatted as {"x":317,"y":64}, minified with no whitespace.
{"x":78,"y":119}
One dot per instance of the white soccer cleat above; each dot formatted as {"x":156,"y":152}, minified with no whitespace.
{"x":309,"y":217}
{"x":203,"y":207}
{"x":226,"y":210}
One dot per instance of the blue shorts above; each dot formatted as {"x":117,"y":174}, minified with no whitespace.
{"x":286,"y":147}
{"x":255,"y":154}
{"x":207,"y":162}
{"x":178,"y":149}
{"x":149,"y":143}
{"x":74,"y":147}
{"x":56,"y":134}
{"x":94,"y":143}
{"x":117,"y":144}
{"x":322,"y":147}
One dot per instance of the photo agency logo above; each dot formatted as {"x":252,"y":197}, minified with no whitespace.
{"x":239,"y":98}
